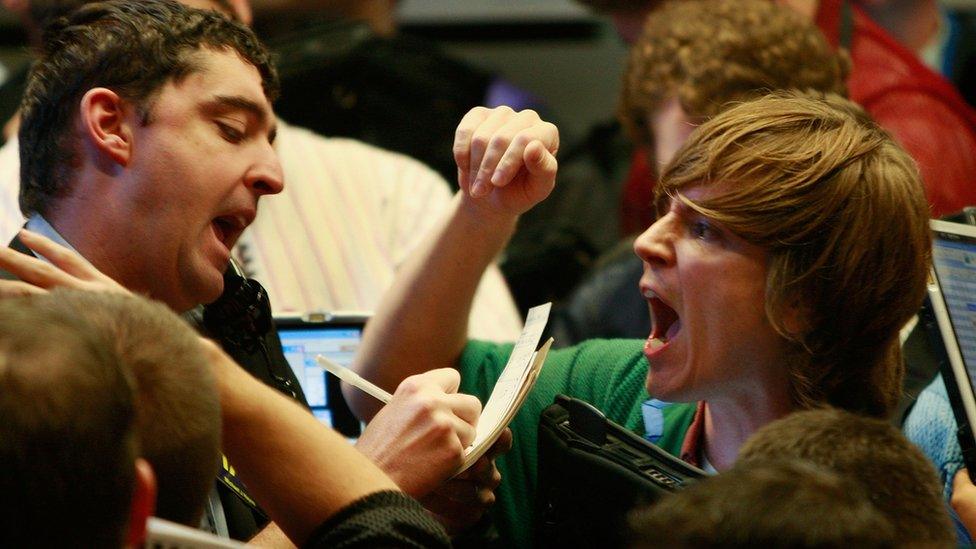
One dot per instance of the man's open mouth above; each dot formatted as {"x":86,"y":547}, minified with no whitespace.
{"x":665,"y":323}
{"x":227,"y":228}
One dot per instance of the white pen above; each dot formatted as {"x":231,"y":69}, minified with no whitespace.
{"x":351,"y":377}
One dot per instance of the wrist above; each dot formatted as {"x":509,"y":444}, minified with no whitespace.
{"x":480,"y":215}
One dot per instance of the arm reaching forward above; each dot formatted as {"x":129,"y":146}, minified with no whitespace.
{"x":506,"y":164}
{"x":274,"y":444}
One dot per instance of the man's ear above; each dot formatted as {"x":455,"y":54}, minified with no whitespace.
{"x":105,"y":124}
{"x":143,"y":503}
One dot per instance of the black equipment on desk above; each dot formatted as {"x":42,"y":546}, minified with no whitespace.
{"x":592,"y":472}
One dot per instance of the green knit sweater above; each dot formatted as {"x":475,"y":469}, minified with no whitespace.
{"x":608,"y":374}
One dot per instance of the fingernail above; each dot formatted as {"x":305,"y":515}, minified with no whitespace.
{"x":476,"y":188}
{"x":496,"y":178}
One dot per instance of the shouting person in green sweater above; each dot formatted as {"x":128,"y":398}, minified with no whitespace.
{"x":791,"y":246}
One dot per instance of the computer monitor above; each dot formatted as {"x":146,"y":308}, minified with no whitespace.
{"x":951,"y":308}
{"x":336,"y":337}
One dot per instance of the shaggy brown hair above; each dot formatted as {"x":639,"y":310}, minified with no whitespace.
{"x":841,"y":210}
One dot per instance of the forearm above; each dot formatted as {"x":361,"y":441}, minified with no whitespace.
{"x":494,"y":314}
{"x":506,"y":165}
{"x":299,"y":470}
{"x":421,"y":323}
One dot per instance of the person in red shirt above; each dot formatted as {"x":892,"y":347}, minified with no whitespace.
{"x":920,"y":108}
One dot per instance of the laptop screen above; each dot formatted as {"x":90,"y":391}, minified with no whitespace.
{"x":954,"y":262}
{"x":339,"y":341}
{"x":950,"y":313}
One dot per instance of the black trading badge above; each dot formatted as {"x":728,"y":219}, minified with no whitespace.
{"x":228,"y":477}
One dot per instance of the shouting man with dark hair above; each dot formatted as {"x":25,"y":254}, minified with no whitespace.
{"x":333,"y":240}
{"x":146,"y":144}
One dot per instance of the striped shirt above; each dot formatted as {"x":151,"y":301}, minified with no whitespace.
{"x":348,"y":218}
{"x":11,"y":219}
{"x":350,"y":215}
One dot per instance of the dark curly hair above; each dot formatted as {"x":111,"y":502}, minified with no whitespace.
{"x":708,"y":53}
{"x":132,"y":48}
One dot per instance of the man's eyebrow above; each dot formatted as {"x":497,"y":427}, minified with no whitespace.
{"x":237,"y":102}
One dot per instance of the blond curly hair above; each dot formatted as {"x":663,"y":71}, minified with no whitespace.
{"x":709,"y":53}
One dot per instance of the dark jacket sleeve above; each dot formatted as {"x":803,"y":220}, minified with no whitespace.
{"x":383,"y":519}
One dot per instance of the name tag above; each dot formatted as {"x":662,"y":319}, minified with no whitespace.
{"x":228,"y":477}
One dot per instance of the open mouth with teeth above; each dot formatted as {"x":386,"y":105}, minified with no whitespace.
{"x":665,"y":323}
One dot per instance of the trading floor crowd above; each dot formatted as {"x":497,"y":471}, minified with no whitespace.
{"x":738,"y":265}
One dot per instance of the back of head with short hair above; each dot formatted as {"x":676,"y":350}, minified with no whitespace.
{"x":780,"y":504}
{"x":67,"y":442}
{"x":177,"y":404}
{"x":132,"y":48}
{"x":866,"y":452}
{"x":840,"y":209}
{"x":171,"y":409}
{"x":709,"y":53}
